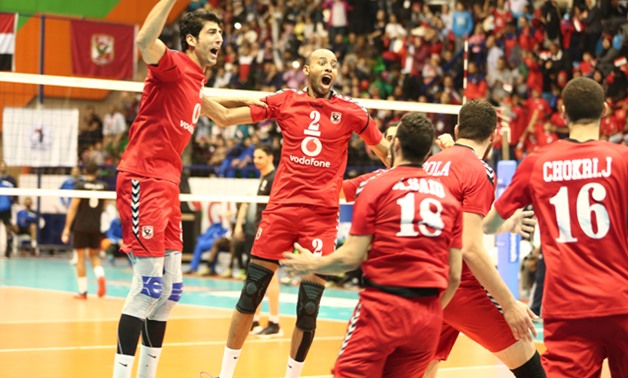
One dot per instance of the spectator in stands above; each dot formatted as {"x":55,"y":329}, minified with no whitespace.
{"x":493,"y":53}
{"x":500,"y":81}
{"x":338,"y":17}
{"x":477,"y":88}
{"x":114,"y":130}
{"x":501,"y":17}
{"x":462,"y":24}
{"x":6,"y":181}
{"x":90,"y":131}
{"x":591,"y":18}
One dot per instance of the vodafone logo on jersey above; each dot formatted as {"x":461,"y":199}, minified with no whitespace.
{"x":196,"y":113}
{"x":311,"y":145}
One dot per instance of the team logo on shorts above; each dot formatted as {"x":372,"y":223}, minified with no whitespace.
{"x":147,"y":232}
{"x":335,"y":117}
{"x":259,"y":233}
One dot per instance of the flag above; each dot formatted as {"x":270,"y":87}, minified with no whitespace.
{"x":7,"y":40}
{"x":103,"y":49}
{"x":40,"y":137}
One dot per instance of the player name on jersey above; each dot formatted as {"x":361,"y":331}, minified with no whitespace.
{"x":437,"y":168}
{"x":576,"y":169}
{"x":422,"y":186}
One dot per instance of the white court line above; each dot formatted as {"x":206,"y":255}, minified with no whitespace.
{"x":166,"y":345}
{"x":98,"y":320}
{"x":461,"y":368}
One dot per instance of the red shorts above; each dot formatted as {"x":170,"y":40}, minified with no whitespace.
{"x":389,"y":336}
{"x":472,"y":312}
{"x":577,"y":347}
{"x":282,"y":226}
{"x":150,"y":214}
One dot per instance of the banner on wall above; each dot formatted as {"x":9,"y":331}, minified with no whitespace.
{"x":101,"y":49}
{"x":40,"y":137}
{"x":8,"y":22}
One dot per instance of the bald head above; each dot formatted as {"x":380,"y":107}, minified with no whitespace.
{"x":321,"y":68}
{"x":320,"y":53}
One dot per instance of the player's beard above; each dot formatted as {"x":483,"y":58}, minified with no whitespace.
{"x":392,"y":154}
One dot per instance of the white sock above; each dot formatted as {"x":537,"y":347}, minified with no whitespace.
{"x":82,"y":285}
{"x":293,"y":370}
{"x":99,"y":271}
{"x":229,"y":362}
{"x":273,"y":319}
{"x":123,"y":366}
{"x":149,"y":359}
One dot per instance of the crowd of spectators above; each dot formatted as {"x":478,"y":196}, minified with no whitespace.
{"x":520,"y":55}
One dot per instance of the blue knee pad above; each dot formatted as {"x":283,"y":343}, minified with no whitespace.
{"x":177,"y":291}
{"x":152,"y":286}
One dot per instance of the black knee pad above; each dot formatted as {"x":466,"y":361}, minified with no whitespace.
{"x":308,"y":302}
{"x":257,"y":280}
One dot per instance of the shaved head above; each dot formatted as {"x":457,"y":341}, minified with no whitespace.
{"x":320,"y":53}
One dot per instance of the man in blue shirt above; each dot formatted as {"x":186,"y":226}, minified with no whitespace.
{"x":70,"y":184}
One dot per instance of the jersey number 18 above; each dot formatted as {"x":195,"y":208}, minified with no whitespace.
{"x":430,"y":222}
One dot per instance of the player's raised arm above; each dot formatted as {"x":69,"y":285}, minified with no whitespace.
{"x":148,"y":42}
{"x":381,"y":150}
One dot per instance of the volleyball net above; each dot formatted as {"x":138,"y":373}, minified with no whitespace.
{"x":51,"y":124}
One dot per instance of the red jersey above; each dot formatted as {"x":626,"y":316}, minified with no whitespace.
{"x":350,"y":187}
{"x":169,"y":109}
{"x":517,"y":124}
{"x":611,"y":127}
{"x":469,"y":179}
{"x":414,"y":221}
{"x":316,"y":133}
{"x":579,"y":195}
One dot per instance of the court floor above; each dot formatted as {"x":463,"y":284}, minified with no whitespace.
{"x":44,"y":332}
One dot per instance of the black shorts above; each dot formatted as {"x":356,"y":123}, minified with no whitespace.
{"x":5,"y":217}
{"x":24,"y":231}
{"x":83,"y":239}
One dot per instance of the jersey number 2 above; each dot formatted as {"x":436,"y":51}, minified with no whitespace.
{"x":585,"y":211}
{"x":430,"y":222}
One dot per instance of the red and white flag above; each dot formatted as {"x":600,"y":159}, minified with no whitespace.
{"x":103,"y":49}
{"x":8,"y":23}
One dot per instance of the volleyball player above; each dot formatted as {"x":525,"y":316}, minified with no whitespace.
{"x":578,"y":189}
{"x":505,"y":327}
{"x":406,"y":237}
{"x":83,"y":218}
{"x":147,"y":185}
{"x":316,"y":124}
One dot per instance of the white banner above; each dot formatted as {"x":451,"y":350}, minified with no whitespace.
{"x":40,"y":137}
